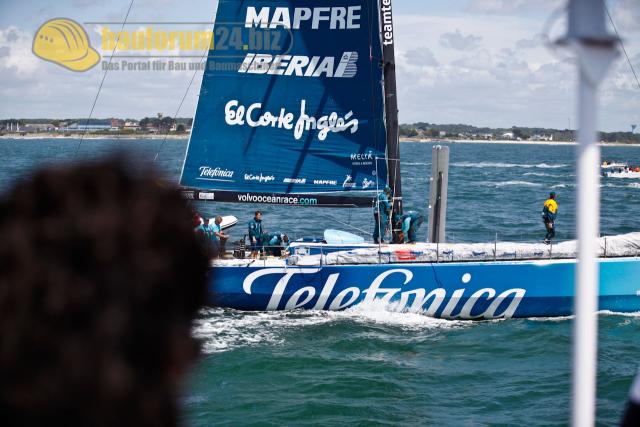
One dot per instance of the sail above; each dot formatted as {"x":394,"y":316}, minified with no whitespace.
{"x":291,"y":102}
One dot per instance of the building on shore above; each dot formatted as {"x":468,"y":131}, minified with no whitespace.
{"x":87,"y":128}
{"x":117,"y":124}
{"x":133,"y":125}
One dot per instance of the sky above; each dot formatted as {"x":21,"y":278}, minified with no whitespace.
{"x":480,"y":62}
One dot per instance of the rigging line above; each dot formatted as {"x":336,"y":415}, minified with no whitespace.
{"x":621,"y":44}
{"x":349,"y":225}
{"x":104,"y":76}
{"x":202,"y":59}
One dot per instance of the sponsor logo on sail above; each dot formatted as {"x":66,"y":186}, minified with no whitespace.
{"x":295,"y":180}
{"x":387,"y":23}
{"x":259,"y":178}
{"x":362,"y":156}
{"x":485,"y":303}
{"x":207,"y":172}
{"x":316,"y":18}
{"x":325,"y":182}
{"x":348,"y":182}
{"x":366,"y":183}
{"x":253,"y":116}
{"x":362,"y":159}
{"x":301,"y":65}
{"x":275,"y":199}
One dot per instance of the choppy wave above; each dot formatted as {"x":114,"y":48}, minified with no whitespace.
{"x":416,"y":164}
{"x":618,"y":313}
{"x":538,"y":174}
{"x":508,"y":165}
{"x":571,"y":317}
{"x":517,"y":183}
{"x":222,"y":330}
{"x":381,"y":312}
{"x":550,"y":319}
{"x":635,"y":185}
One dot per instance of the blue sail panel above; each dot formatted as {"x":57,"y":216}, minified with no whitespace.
{"x":291,"y":100}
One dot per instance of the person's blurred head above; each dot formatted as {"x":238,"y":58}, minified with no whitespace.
{"x":218,"y":220}
{"x":96,"y":308}
{"x":258,"y":215}
{"x":196,"y":219}
{"x":552,"y":195}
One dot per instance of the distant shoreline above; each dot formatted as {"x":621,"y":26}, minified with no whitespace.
{"x":509,"y":142}
{"x":46,"y":135}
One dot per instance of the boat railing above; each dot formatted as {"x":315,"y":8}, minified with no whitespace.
{"x":325,"y":254}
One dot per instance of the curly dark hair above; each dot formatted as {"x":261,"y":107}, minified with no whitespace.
{"x":100,"y":280}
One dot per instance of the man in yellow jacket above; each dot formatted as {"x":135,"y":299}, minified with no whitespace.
{"x":549,"y":212}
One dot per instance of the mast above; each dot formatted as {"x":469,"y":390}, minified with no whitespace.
{"x":391,"y":103}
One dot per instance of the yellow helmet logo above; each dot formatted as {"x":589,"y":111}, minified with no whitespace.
{"x":64,"y":42}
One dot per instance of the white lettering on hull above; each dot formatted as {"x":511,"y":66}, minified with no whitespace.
{"x":414,"y":300}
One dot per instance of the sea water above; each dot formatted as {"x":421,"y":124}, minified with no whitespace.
{"x":370,"y":365}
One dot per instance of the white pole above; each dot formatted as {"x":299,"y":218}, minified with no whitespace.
{"x":595,"y":48}
{"x":585,"y":331}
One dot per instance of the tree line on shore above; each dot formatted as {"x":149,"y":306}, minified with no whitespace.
{"x":458,"y":131}
{"x":413,"y":130}
{"x":158,"y":123}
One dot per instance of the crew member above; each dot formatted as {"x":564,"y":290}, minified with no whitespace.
{"x":381,"y":212}
{"x":255,"y":234}
{"x":205,"y":238}
{"x":409,"y":223}
{"x":549,"y":212}
{"x":275,"y":243}
{"x":218,"y":236}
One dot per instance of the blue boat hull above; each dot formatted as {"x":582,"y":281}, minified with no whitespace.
{"x":483,"y":290}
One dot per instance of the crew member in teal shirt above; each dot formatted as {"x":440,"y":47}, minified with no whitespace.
{"x":276,"y":243}
{"x":205,"y":236}
{"x":219,"y":238}
{"x":255,"y":234}
{"x":381,"y":212}
{"x":410,"y":222}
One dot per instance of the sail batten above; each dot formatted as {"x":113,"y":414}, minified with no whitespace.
{"x":291,"y":101}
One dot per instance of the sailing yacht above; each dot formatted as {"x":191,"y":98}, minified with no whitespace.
{"x":298,"y":108}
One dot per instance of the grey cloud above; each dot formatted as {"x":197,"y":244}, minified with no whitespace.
{"x":480,"y":60}
{"x":458,"y":41}
{"x":12,"y":36}
{"x":507,"y":7}
{"x":86,"y":3}
{"x":508,"y":52}
{"x":422,"y":56}
{"x":4,"y":51}
{"x":529,"y":43}
{"x":626,"y":15}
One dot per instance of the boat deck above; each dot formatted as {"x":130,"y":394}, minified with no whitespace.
{"x":318,"y":254}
